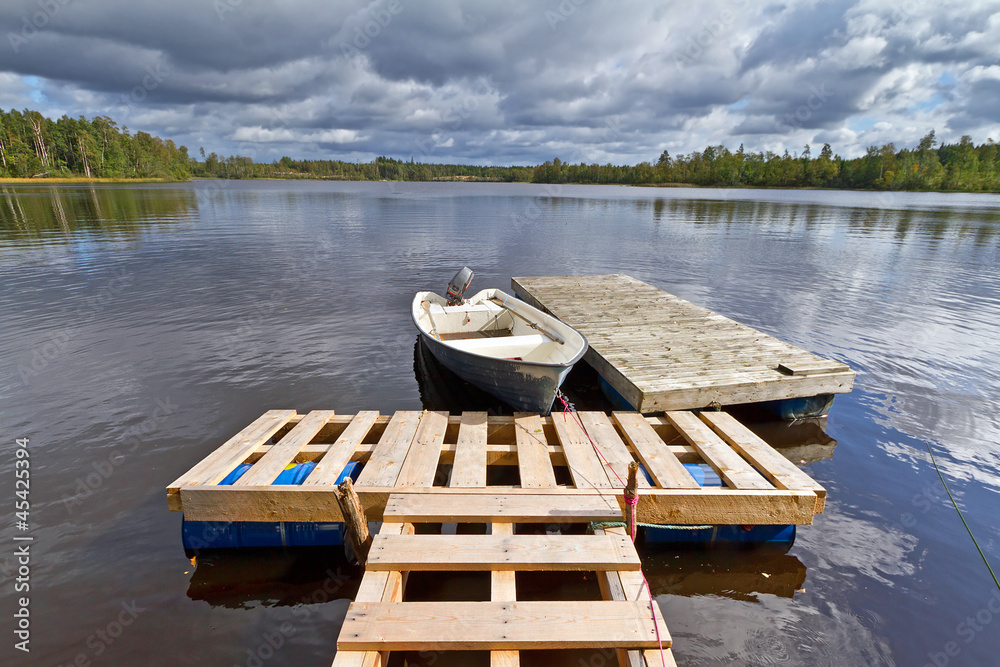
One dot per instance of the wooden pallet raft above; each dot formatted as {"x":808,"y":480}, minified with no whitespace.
{"x":433,"y":453}
{"x":432,"y":467}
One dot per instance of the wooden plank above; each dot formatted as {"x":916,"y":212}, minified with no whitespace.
{"x":585,"y":466}
{"x":503,"y":588}
{"x":806,"y":368}
{"x":214,"y":467}
{"x":483,"y":508}
{"x":373,"y":588}
{"x":533,"y":461}
{"x":613,"y":587}
{"x":502,"y":552}
{"x":358,"y":659}
{"x":658,"y":658}
{"x":737,"y":392}
{"x":469,"y":467}
{"x":669,"y":370}
{"x":780,"y":471}
{"x":496,"y":453}
{"x":386,"y":460}
{"x":634,"y":588}
{"x":280,"y":455}
{"x":661,"y":463}
{"x":445,"y":626}
{"x":376,"y":587}
{"x":713,"y":505}
{"x":603,"y":432}
{"x":652,"y":374}
{"x":733,"y":470}
{"x":340,"y":452}
{"x":425,"y":451}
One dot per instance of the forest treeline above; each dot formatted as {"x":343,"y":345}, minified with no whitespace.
{"x":379,"y":169}
{"x":32,"y":145}
{"x":962,"y":166}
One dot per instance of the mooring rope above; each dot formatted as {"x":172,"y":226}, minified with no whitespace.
{"x":642,"y":524}
{"x":632,"y":502}
{"x":960,"y":515}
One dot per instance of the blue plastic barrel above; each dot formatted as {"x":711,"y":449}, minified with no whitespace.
{"x":618,"y":402}
{"x":232,"y":534}
{"x":704,"y":475}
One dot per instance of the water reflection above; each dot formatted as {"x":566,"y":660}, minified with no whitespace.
{"x":440,"y":389}
{"x":36,"y":212}
{"x":739,"y":574}
{"x":981,"y":226}
{"x":801,"y":441}
{"x":247,"y":578}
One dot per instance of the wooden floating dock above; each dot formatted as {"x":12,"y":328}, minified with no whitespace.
{"x":432,"y":467}
{"x":660,"y":352}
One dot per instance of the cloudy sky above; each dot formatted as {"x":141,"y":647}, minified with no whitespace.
{"x":512,"y":82}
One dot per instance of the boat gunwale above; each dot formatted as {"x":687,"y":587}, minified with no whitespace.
{"x":542,"y":364}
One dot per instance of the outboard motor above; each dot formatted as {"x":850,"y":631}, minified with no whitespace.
{"x":458,"y":285}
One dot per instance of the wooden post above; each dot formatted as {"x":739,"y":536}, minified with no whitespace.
{"x":355,"y":522}
{"x":631,"y":496}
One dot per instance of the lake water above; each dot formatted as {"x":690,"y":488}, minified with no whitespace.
{"x":141,"y":326}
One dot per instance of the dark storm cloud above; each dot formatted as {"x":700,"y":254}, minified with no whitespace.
{"x":794,"y":33}
{"x":978,"y":98}
{"x":512,"y":82}
{"x":194,"y":34}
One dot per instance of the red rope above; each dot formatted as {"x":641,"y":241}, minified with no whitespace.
{"x":568,"y":407}
{"x":632,"y":502}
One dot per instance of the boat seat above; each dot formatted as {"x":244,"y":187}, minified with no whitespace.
{"x":466,"y":308}
{"x":507,"y":347}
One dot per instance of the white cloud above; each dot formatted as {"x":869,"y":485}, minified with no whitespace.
{"x":263,"y":135}
{"x":860,"y":52}
{"x":980,"y":73}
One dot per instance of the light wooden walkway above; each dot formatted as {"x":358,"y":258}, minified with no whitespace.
{"x":381,"y":619}
{"x":661,"y":352}
{"x":431,"y":467}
